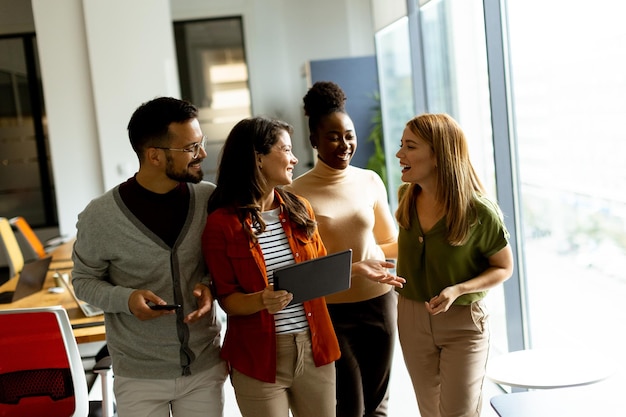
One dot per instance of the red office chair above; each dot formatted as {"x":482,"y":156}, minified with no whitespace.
{"x":41,"y":372}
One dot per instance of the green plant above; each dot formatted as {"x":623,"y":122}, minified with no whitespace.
{"x":376,"y":162}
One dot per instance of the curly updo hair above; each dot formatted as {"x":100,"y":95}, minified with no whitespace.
{"x":322,"y":99}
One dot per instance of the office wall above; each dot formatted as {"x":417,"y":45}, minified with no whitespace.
{"x":131,"y":59}
{"x":386,"y":12}
{"x":358,"y":77}
{"x":100,"y":60}
{"x":280,"y":37}
{"x":70,"y":112}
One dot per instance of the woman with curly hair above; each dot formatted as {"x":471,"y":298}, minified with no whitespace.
{"x":352,"y":211}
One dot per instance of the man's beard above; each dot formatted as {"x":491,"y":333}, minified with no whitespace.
{"x":182,"y":176}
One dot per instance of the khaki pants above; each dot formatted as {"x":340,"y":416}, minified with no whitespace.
{"x":446,"y":356}
{"x":307,"y":390}
{"x":197,"y":395}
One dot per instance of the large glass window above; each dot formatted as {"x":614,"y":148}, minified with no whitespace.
{"x":396,"y":95}
{"x":569,"y":82}
{"x":456,"y":80}
{"x":455,"y":64}
{"x":395,"y":78}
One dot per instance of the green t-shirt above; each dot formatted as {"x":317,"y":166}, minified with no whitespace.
{"x":429,"y":263}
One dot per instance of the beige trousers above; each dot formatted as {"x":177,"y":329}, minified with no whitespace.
{"x":446,"y":356}
{"x":307,"y":390}
{"x":197,"y":395}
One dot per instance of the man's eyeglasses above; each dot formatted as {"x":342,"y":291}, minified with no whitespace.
{"x":193,"y":149}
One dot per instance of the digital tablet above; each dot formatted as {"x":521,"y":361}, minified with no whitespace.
{"x":316,"y":277}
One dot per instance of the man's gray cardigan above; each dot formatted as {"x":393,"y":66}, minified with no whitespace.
{"x":114,"y":255}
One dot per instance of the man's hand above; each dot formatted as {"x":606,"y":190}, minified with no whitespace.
{"x":138,"y":305}
{"x":205,"y":303}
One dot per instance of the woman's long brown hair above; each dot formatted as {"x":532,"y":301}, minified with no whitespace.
{"x":240,"y":183}
{"x":458,"y":185}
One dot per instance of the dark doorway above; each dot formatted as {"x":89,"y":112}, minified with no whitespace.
{"x":214,"y":76}
{"x":26,"y":183}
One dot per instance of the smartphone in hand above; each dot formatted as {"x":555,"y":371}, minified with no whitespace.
{"x":165,"y":306}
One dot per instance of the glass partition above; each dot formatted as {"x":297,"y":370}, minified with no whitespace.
{"x":455,"y":61}
{"x":396,"y":95}
{"x":456,"y":80}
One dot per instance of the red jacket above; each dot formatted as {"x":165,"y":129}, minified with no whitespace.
{"x":237,"y":265}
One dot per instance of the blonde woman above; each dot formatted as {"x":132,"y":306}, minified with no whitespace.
{"x":452,"y":248}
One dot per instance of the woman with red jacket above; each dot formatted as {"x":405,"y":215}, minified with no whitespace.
{"x":281,"y":355}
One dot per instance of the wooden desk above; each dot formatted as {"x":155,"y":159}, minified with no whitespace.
{"x":46,"y":298}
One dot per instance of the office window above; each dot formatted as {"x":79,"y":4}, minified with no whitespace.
{"x":456,"y":83}
{"x":214,"y":76}
{"x":455,"y":63}
{"x":569,"y":86}
{"x":396,"y":87}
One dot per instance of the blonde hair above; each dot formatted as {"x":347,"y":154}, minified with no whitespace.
{"x":458,"y":185}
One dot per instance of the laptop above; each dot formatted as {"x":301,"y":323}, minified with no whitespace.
{"x":29,"y":281}
{"x":316,"y":277}
{"x":87,"y":309}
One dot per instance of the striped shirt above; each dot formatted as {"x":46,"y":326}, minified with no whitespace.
{"x":277,"y":253}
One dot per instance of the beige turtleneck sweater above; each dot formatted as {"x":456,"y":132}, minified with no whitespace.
{"x":352,"y":212}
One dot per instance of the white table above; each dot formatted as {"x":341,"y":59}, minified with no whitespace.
{"x":549,"y":368}
{"x":597,"y":400}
